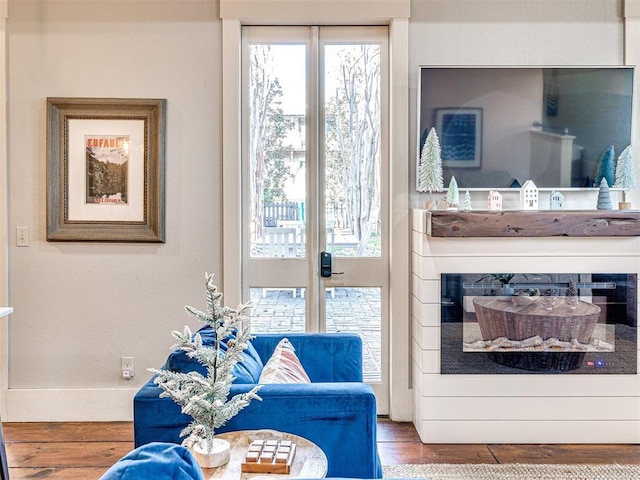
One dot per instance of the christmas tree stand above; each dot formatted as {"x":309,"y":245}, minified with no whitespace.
{"x":212,"y":454}
{"x":624,"y":205}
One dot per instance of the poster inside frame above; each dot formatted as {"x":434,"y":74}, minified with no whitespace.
{"x":460,"y":131}
{"x":105,"y":169}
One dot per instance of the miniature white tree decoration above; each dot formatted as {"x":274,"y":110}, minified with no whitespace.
{"x":206,"y":398}
{"x":625,"y":174}
{"x":467,"y":201}
{"x":430,"y":165}
{"x":604,"y":196}
{"x":452,"y":199}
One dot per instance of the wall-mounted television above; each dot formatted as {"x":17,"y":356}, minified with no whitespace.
{"x":501,"y":126}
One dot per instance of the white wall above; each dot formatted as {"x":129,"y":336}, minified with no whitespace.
{"x":4,"y":325}
{"x":79,"y":307}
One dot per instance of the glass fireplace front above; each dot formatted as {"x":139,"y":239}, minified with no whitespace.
{"x":532,"y":323}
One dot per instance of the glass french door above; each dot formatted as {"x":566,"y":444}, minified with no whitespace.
{"x":315,"y":167}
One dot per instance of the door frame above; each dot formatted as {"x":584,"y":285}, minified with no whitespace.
{"x":233,"y":14}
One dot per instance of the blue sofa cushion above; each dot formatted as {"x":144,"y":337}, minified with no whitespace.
{"x":246,"y":371}
{"x":157,"y":461}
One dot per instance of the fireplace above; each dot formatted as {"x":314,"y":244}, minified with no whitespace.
{"x":531,"y":323}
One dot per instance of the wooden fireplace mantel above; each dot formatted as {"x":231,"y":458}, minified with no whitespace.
{"x":528,"y":223}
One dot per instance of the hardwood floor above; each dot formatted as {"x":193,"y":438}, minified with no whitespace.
{"x":399,"y":443}
{"x":86,"y":450}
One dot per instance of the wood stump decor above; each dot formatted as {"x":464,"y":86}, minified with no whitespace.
{"x":500,"y":319}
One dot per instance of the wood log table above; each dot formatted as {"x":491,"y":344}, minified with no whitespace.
{"x":498,"y":318}
{"x":309,"y":461}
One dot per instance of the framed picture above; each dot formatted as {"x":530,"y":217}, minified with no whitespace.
{"x":105,"y":169}
{"x":460,"y":131}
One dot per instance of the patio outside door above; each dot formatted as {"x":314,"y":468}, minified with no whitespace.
{"x":315,"y":173}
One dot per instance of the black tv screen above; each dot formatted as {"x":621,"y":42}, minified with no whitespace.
{"x":539,"y":323}
{"x":501,"y":126}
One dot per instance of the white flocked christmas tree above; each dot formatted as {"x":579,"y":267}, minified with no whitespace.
{"x":430,"y":177}
{"x":467,"y":201}
{"x":604,"y":196}
{"x":452,"y":199}
{"x":625,"y":172}
{"x":206,"y":398}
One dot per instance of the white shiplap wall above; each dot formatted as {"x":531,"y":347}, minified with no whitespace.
{"x":514,"y":408}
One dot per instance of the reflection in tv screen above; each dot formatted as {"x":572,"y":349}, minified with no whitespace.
{"x":501,"y":126}
{"x":505,"y":323}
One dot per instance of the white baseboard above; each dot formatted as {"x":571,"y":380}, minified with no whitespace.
{"x":70,"y":405}
{"x":542,"y":431}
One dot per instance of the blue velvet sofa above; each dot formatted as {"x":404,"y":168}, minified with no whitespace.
{"x":337,"y":411}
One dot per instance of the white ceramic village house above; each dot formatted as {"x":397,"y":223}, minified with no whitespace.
{"x":556,"y":201}
{"x":529,"y":196}
{"x":494,"y":201}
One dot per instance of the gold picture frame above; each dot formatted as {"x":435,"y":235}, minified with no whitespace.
{"x":105,"y":169}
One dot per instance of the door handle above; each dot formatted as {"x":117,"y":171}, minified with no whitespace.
{"x":325,"y":264}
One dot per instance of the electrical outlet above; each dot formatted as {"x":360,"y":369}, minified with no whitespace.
{"x":126,"y":366}
{"x":22,"y":236}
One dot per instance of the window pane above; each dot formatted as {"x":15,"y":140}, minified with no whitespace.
{"x":352,"y":149}
{"x":278,"y":310}
{"x":357,"y":310}
{"x":277,"y":150}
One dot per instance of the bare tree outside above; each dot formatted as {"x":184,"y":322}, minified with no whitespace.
{"x":352,"y":140}
{"x":353,"y":135}
{"x":268,"y":130}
